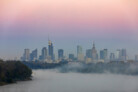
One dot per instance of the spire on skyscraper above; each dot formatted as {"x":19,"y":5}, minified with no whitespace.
{"x":49,"y":41}
{"x":51,"y":49}
{"x":94,"y":52}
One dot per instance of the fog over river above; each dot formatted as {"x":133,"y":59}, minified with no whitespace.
{"x":54,"y":81}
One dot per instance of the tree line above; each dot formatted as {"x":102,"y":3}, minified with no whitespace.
{"x":12,"y":71}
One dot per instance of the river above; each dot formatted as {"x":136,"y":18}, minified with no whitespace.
{"x":53,"y":81}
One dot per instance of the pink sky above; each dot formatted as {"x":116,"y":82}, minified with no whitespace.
{"x":101,"y":14}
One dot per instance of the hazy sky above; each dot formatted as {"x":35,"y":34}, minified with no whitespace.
{"x":111,"y":24}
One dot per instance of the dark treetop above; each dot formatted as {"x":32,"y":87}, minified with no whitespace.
{"x":12,"y":71}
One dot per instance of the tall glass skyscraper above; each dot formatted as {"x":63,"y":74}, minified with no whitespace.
{"x":123,"y":54}
{"x":104,"y":54}
{"x":33,"y":55}
{"x":26,"y":56}
{"x":112,"y":56}
{"x":71,"y":56}
{"x":89,"y":53}
{"x":44,"y":53}
{"x":80,"y":55}
{"x":60,"y":54}
{"x":51,"y":50}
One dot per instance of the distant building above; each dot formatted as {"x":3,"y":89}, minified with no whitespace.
{"x":94,"y":53}
{"x":112,"y":56}
{"x":104,"y":54}
{"x":89,"y":53}
{"x":44,"y":54}
{"x":136,"y":58}
{"x":118,"y":55}
{"x":60,"y":54}
{"x":26,"y":55}
{"x":71,"y":57}
{"x":33,"y":55}
{"x":51,"y":50}
{"x":40,"y":58}
{"x":80,"y":55}
{"x":88,"y":57}
{"x":123,"y":55}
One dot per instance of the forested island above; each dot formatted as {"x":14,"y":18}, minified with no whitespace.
{"x":13,"y":71}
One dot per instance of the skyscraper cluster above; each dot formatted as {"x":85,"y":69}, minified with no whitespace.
{"x":105,"y":56}
{"x":92,"y":55}
{"x":46,"y":55}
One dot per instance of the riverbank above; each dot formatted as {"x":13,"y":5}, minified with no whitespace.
{"x":4,"y":83}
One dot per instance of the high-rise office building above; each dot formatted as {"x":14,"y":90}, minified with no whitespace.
{"x":88,"y":57}
{"x":60,"y":54}
{"x":89,"y":53}
{"x":112,"y":56}
{"x":26,"y":56}
{"x":79,"y":50}
{"x":51,"y":50}
{"x":94,"y":53}
{"x":44,"y":53}
{"x":71,"y":57}
{"x":40,"y":58}
{"x":33,"y":55}
{"x":118,"y":54}
{"x":123,"y":55}
{"x":104,"y":54}
{"x":80,"y":55}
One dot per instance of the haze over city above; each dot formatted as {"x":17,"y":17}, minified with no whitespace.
{"x":112,"y":24}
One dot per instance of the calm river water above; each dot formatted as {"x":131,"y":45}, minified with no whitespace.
{"x":53,"y":81}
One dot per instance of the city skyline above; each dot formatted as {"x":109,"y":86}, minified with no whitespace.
{"x":71,"y":51}
{"x":112,"y":24}
{"x":89,"y":55}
